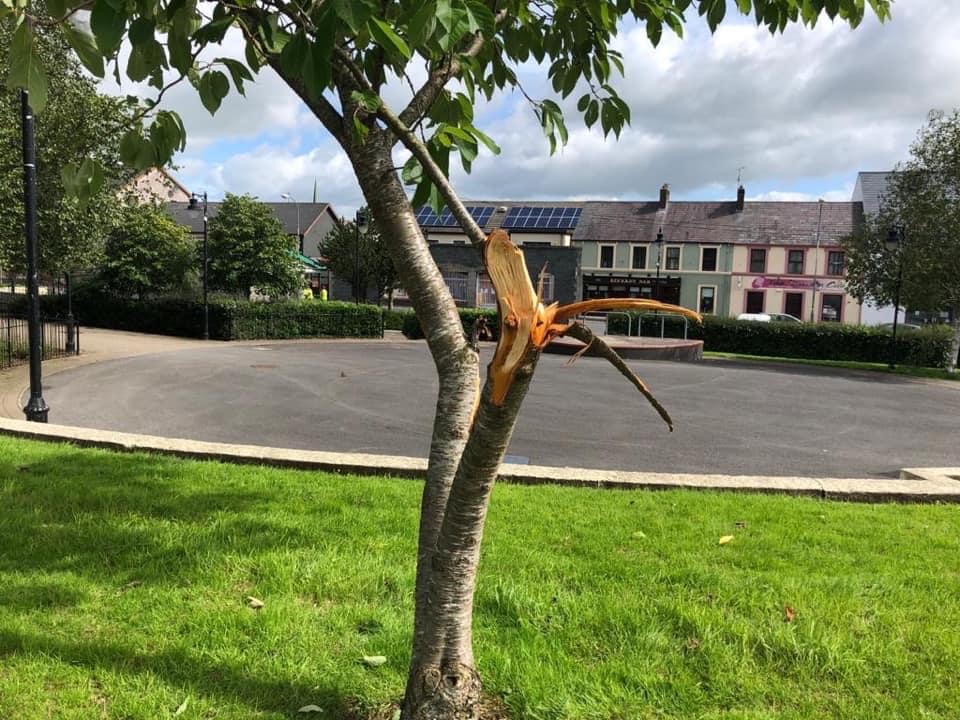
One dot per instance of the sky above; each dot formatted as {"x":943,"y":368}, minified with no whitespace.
{"x":795,"y":116}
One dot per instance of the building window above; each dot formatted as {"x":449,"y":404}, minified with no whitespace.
{"x":758,"y":261}
{"x":486,"y":295}
{"x":754,"y":301}
{"x":606,"y":256}
{"x":547,"y":279}
{"x":836,"y":260}
{"x":832,"y":308}
{"x":708,"y":259}
{"x":457,"y":283}
{"x":673,"y":258}
{"x":708,"y":295}
{"x":638,"y":258}
{"x":795,"y":262}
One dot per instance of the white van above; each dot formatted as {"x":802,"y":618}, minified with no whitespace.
{"x":767,"y":317}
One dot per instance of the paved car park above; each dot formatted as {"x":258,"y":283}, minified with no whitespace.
{"x":378,"y":396}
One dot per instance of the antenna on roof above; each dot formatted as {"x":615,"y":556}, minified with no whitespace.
{"x":740,"y":174}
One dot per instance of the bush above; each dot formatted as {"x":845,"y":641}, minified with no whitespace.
{"x":394,"y":319}
{"x":229,"y":319}
{"x":468,"y":316}
{"x":809,"y":341}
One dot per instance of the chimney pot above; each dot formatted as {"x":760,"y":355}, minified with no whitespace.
{"x":741,"y":198}
{"x":664,"y":196}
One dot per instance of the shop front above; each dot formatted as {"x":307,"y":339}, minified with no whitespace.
{"x":666,"y":289}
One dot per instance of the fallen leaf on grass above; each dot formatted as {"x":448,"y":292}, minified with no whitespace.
{"x":374,"y":660}
{"x":254,"y":603}
{"x":693,"y":643}
{"x":639,"y":534}
{"x":181,"y":708}
{"x":310,"y":709}
{"x":789,"y":614}
{"x":130,"y":586}
{"x":726,"y":539}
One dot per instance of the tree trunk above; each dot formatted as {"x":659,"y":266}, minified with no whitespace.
{"x":955,"y":342}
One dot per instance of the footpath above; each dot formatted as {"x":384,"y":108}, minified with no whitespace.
{"x":913,"y":485}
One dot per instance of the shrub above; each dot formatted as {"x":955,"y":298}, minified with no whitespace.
{"x":229,"y":319}
{"x":394,"y":319}
{"x":468,"y":316}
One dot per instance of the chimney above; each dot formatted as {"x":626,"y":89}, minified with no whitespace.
{"x":664,"y":196}
{"x":741,"y":198}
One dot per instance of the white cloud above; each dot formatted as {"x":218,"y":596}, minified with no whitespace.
{"x":799,"y":109}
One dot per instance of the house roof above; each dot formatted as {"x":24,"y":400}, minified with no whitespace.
{"x":760,"y":222}
{"x":285,"y":212}
{"x":870,"y":189}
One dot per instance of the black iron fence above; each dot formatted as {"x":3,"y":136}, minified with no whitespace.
{"x":60,"y":339}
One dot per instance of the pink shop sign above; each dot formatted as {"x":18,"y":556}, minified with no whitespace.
{"x":797,"y":283}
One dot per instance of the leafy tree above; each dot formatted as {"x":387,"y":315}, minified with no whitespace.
{"x":922,"y":207}
{"x":340,"y":249}
{"x":147,"y":253}
{"x":78,"y":125}
{"x":338,"y":56}
{"x":248,"y":249}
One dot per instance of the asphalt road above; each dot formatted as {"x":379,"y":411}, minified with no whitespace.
{"x":379,"y":397}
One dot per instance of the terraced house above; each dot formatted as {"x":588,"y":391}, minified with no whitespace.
{"x":723,"y":258}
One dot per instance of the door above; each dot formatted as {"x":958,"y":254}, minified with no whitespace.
{"x":793,"y":305}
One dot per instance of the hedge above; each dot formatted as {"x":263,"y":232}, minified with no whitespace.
{"x":468,"y":316}
{"x":229,"y":319}
{"x":811,"y":341}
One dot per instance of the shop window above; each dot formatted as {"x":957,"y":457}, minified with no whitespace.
{"x":832,"y":308}
{"x":754,"y":301}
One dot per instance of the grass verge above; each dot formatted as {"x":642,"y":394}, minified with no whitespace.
{"x":907,"y":370}
{"x":124,"y":581}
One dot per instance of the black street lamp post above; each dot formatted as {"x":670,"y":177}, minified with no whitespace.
{"x":37,"y":408}
{"x":71,"y":345}
{"x":361,"y":228}
{"x":895,"y":244}
{"x":656,"y":286}
{"x":194,"y":204}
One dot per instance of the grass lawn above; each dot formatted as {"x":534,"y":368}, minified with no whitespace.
{"x":124,"y":578}
{"x":908,"y":370}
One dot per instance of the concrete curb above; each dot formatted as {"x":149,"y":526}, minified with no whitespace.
{"x":916,"y":485}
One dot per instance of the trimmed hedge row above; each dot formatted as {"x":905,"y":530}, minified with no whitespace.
{"x":809,"y":341}
{"x":229,"y":319}
{"x":468,"y":316}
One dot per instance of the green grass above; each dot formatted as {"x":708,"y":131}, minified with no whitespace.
{"x":908,"y":370}
{"x":123,"y":580}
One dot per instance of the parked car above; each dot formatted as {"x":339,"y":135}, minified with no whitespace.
{"x":767,"y":317}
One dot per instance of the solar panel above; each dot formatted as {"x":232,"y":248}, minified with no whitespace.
{"x":525,"y":217}
{"x":426,"y":217}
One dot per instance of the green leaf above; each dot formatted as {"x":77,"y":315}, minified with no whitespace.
{"x":388,"y":39}
{"x":214,"y":87}
{"x":355,"y":13}
{"x":486,"y":140}
{"x":85,"y":47}
{"x":238,"y":71}
{"x":107,"y":25}
{"x":481,"y":17}
{"x":583,"y":102}
{"x":366,"y":99}
{"x":294,"y":55}
{"x":422,"y":24}
{"x":412,"y":172}
{"x":593,"y":111}
{"x":130,"y":146}
{"x":445,"y":15}
{"x":141,"y":31}
{"x":360,"y":129}
{"x":25,"y":69}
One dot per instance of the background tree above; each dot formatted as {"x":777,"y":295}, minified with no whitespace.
{"x":248,"y":249}
{"x":78,"y":125}
{"x":147,"y":253}
{"x":922,"y":201}
{"x":338,"y":56}
{"x":339,"y":249}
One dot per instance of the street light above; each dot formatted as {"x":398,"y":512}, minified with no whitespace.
{"x":291,"y":198}
{"x":656,"y":286}
{"x":895,"y":244}
{"x":37,"y":408}
{"x":361,"y":226}
{"x":194,"y":205}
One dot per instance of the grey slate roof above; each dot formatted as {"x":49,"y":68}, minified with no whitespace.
{"x":870,"y":188}
{"x":763,"y":223}
{"x":285,"y":212}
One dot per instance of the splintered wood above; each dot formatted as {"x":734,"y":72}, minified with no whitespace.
{"x":526,"y":325}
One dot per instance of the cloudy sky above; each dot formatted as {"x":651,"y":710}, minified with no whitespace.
{"x":801,"y":113}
